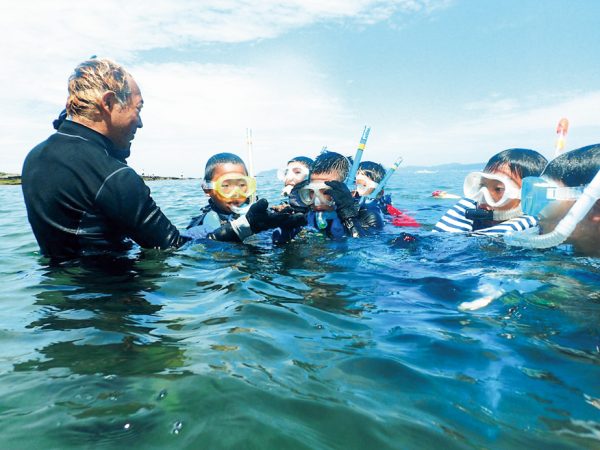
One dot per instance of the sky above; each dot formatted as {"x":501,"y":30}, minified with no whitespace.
{"x":438,"y":81}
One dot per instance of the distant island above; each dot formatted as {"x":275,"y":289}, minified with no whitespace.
{"x":426,"y":169}
{"x":15,"y":178}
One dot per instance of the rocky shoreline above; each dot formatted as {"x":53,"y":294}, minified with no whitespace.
{"x":15,"y":179}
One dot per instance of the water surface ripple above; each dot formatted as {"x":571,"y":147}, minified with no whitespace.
{"x":317,"y":344}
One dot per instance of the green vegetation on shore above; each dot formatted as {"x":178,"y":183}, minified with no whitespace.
{"x":10,"y":178}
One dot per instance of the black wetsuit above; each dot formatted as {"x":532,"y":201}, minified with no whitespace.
{"x":82,"y":198}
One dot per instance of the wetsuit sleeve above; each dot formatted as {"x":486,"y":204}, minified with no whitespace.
{"x":125,"y":199}
{"x":454,"y":221}
{"x":196,"y":231}
{"x":370,"y":218}
{"x":225,"y":233}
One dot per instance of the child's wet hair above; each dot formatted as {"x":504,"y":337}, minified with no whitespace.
{"x":521,"y":162}
{"x":221,"y":158}
{"x":304,"y":160}
{"x":373,"y":170}
{"x":328,"y":162}
{"x":575,"y":168}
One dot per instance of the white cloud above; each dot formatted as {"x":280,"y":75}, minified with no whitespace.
{"x":465,"y":139}
{"x":47,"y":39}
{"x":204,"y":109}
{"x":193,"y":110}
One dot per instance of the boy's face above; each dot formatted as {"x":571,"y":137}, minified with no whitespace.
{"x":295,"y":173}
{"x":586,"y":236}
{"x":321,"y":178}
{"x":497,"y":189}
{"x":364,"y":184}
{"x":238,"y":199}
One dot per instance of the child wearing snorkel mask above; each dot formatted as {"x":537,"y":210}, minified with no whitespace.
{"x":229,"y":215}
{"x":492,"y":201}
{"x":296,"y":171}
{"x":332,"y":208}
{"x":369,"y":176}
{"x":566,"y":200}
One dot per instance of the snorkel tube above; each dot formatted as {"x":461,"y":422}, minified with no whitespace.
{"x":350,"y":179}
{"x":565,"y":227}
{"x":561,"y":129}
{"x":384,"y":180}
{"x":250,"y":159}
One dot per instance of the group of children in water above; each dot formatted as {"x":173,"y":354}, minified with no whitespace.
{"x":518,"y":194}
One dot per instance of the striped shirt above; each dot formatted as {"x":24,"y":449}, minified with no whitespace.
{"x":454,"y":221}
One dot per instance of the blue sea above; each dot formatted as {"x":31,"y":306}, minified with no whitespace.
{"x":358,"y":344}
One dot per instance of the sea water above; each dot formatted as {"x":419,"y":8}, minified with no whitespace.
{"x":317,"y":344}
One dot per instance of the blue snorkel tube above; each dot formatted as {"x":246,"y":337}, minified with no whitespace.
{"x":351,"y":178}
{"x":383,"y":182}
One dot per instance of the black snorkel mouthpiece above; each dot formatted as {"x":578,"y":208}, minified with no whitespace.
{"x":479,"y":214}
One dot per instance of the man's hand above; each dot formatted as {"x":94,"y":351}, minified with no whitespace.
{"x":345,"y":205}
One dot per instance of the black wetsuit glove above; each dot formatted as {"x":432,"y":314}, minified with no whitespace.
{"x":258,"y":218}
{"x":345,"y":205}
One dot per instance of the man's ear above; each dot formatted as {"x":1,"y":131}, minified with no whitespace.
{"x":207,"y":191}
{"x":108,"y":101}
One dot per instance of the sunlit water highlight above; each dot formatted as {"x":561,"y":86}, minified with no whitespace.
{"x":318,"y":344}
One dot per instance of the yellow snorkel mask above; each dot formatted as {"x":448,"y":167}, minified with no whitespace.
{"x":232,"y":185}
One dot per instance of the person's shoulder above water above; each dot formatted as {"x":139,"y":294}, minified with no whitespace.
{"x":454,"y":220}
{"x":90,"y":198}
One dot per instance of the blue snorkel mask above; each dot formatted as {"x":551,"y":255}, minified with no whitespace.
{"x":538,"y":193}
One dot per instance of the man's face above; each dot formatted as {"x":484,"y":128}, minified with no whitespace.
{"x":223,"y":203}
{"x":321,"y":178}
{"x":586,"y":236}
{"x":125,"y":119}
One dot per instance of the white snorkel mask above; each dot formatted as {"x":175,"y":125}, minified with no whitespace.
{"x":314,"y":194}
{"x":294,"y":174}
{"x":539,"y":194}
{"x":475,"y":189}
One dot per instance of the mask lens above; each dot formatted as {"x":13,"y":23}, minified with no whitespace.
{"x":314,"y":192}
{"x":490,"y":188}
{"x":235,"y":186}
{"x":364,"y":185}
{"x":538,"y":193}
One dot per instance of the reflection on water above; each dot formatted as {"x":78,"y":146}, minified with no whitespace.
{"x":317,"y":344}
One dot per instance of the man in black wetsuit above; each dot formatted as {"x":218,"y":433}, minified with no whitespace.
{"x":81,"y":196}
